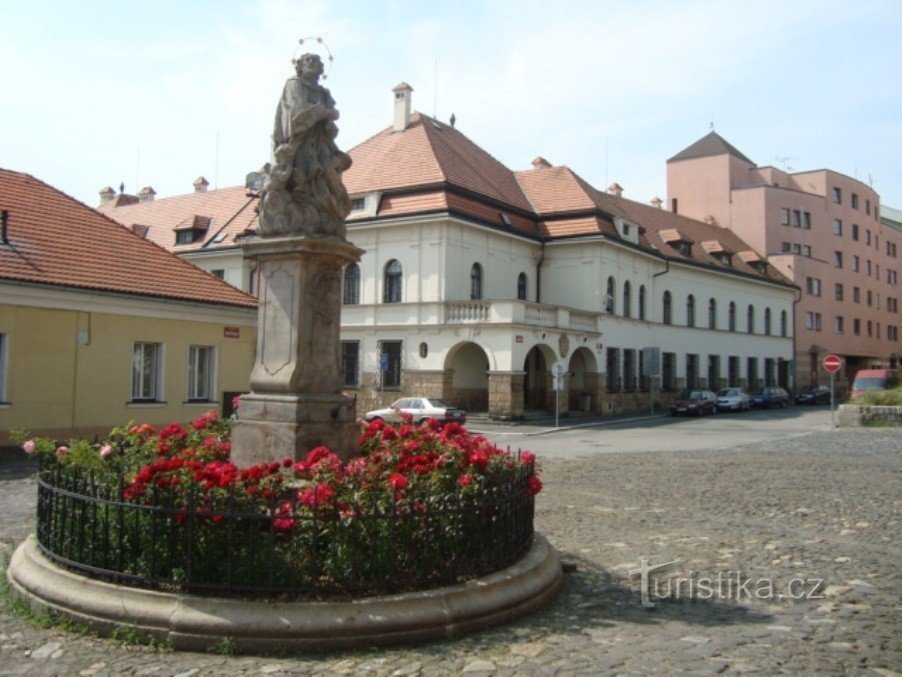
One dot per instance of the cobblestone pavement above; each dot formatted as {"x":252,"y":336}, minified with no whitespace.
{"x":824,"y":506}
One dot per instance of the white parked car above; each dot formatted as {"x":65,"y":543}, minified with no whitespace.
{"x":419,"y":408}
{"x":733,"y":399}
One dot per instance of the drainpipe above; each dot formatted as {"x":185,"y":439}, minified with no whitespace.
{"x":665,"y":271}
{"x":539,"y":275}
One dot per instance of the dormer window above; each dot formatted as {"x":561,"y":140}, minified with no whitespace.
{"x":505,"y":219}
{"x":678,"y":241}
{"x":724,"y":257}
{"x":190,"y":231}
{"x":683,"y":247}
{"x":358,"y":204}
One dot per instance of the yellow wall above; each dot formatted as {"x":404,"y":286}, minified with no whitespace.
{"x":59,"y":388}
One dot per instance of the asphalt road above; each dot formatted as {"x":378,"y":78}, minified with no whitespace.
{"x":662,"y":433}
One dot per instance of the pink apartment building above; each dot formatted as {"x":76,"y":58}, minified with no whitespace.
{"x":819,"y":228}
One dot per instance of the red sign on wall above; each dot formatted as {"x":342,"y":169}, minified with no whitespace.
{"x":231,"y":332}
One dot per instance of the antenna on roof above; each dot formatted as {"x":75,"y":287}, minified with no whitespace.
{"x":783,"y":159}
{"x":122,"y":186}
{"x":711,"y":125}
{"x":453,"y":119}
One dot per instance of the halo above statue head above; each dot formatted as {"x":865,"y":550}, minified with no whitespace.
{"x":306,"y":43}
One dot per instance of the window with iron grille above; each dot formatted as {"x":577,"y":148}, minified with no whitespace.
{"x":751,"y":372}
{"x":644,"y":380}
{"x":390,"y":364}
{"x":769,"y":371}
{"x":733,"y":371}
{"x":629,"y":370}
{"x":612,"y":366}
{"x":713,"y":372}
{"x":691,"y":371}
{"x":201,"y":373}
{"x":350,"y":362}
{"x":668,"y":371}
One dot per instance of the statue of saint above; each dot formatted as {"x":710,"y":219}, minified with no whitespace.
{"x":302,"y":191}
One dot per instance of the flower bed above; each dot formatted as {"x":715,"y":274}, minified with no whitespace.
{"x":423,"y":506}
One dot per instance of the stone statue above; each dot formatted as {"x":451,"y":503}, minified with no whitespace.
{"x":302,"y":191}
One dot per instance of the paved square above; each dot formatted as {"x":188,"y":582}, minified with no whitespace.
{"x":803,"y":504}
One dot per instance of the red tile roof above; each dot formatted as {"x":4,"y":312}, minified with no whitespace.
{"x":433,"y":167}
{"x":227,"y":213}
{"x":55,"y":239}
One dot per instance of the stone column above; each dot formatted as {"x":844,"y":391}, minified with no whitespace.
{"x":506,"y":394}
{"x":296,"y":401}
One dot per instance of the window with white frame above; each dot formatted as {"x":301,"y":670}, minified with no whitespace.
{"x":147,"y":372}
{"x":201,"y":373}
{"x":4,"y":367}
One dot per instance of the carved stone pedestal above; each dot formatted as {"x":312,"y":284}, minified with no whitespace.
{"x":296,"y":401}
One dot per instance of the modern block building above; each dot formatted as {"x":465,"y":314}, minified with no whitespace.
{"x":99,"y":326}
{"x":478,"y":279}
{"x":819,"y":228}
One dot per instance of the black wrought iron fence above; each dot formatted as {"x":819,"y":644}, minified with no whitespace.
{"x":231,"y":544}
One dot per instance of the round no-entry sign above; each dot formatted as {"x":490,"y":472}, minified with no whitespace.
{"x":832,"y":363}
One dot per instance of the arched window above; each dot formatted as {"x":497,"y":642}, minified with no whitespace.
{"x":521,"y":286}
{"x":667,"y":316}
{"x":767,"y":321}
{"x":392,"y":284}
{"x":351,"y":294}
{"x":712,"y":314}
{"x":476,"y":282}
{"x":750,"y":319}
{"x":784,"y":328}
{"x":690,"y":311}
{"x":642,"y":302}
{"x":732,"y":316}
{"x":610,"y":297}
{"x":627,"y":299}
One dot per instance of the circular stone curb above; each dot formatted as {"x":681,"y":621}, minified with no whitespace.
{"x":190,"y":622}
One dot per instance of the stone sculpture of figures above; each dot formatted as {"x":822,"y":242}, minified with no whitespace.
{"x":302,"y":191}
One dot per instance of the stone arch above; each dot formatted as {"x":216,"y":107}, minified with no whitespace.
{"x":468,"y":365}
{"x":536,"y":382}
{"x":583,"y":373}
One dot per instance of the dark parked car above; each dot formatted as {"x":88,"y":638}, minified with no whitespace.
{"x":697,"y":402}
{"x":771,"y":396}
{"x":817,"y":395}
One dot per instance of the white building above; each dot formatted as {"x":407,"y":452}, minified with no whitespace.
{"x":478,"y":279}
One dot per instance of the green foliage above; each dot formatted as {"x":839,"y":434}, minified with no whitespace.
{"x":226,"y":646}
{"x":881,"y":398}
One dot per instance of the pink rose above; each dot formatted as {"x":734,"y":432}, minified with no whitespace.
{"x":106,"y":450}
{"x":29,"y":447}
{"x":62,"y":451}
{"x":528,"y":457}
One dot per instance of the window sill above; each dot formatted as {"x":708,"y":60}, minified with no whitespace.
{"x":145,"y":404}
{"x":389,"y":388}
{"x":198,"y":403}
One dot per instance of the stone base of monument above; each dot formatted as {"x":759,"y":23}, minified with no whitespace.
{"x":275,"y":426}
{"x":191,"y":622}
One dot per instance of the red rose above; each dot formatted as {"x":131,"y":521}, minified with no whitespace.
{"x":528,"y":457}
{"x":535,"y":485}
{"x":398,"y":482}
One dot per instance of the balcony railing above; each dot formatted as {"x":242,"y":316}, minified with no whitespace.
{"x":502,"y":312}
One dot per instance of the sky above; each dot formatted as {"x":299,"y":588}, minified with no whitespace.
{"x":159,"y":93}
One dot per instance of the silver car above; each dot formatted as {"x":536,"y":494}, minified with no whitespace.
{"x":733,"y":399}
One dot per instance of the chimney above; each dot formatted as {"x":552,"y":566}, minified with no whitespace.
{"x":106,"y":194}
{"x":200,"y":185}
{"x":615,"y":189}
{"x":4,"y":222}
{"x":540,"y":163}
{"x":656,"y":202}
{"x":402,"y":106}
{"x":146,"y":194}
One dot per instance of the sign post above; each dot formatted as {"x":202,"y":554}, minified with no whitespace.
{"x":557,"y":371}
{"x":832,"y":363}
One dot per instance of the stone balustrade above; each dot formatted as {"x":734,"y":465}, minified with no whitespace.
{"x":509,"y":312}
